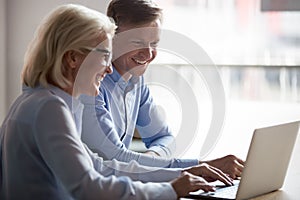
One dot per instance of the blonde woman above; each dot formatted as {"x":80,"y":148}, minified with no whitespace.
{"x":42,"y":156}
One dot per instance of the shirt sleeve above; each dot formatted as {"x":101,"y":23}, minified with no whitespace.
{"x":152,"y":125}
{"x":99,"y":134}
{"x":65,"y":155}
{"x":133,"y":170}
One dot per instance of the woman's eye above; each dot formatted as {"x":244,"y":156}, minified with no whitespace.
{"x":107,"y":57}
{"x":154,"y":45}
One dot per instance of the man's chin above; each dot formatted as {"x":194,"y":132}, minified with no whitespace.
{"x":139,"y":72}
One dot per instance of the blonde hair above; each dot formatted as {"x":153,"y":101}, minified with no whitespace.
{"x":68,"y":27}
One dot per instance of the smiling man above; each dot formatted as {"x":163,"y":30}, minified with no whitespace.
{"x":124,"y":96}
{"x":125,"y":102}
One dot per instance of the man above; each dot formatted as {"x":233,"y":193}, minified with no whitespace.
{"x":125,"y":102}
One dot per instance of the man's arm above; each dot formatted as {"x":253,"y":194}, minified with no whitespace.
{"x":152,"y":126}
{"x":99,"y":134}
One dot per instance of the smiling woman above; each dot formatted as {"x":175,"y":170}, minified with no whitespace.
{"x":41,"y":153}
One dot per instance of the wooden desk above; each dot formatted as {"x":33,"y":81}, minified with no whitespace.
{"x":238,"y":129}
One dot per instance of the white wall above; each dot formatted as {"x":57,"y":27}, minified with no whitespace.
{"x":2,"y":60}
{"x":19,"y":19}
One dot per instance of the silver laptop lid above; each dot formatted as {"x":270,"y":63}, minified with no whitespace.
{"x":267,"y":160}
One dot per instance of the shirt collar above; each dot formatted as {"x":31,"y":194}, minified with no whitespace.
{"x":116,"y":77}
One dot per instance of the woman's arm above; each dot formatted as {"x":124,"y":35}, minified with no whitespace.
{"x":66,"y":157}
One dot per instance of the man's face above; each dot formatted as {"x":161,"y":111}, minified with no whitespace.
{"x":134,"y":47}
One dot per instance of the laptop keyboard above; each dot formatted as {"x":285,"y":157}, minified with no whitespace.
{"x":222,"y":191}
{"x":228,"y":192}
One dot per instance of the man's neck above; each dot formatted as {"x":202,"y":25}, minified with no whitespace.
{"x":125,"y":75}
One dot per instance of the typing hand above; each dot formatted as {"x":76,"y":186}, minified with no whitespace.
{"x":231,"y":165}
{"x":209,"y":173}
{"x":187,"y":183}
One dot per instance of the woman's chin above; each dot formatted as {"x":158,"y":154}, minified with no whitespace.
{"x":97,"y":93}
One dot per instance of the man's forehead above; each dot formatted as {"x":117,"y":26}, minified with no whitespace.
{"x":143,"y":33}
{"x":154,"y":24}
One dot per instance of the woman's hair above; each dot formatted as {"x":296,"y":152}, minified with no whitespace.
{"x":133,"y":12}
{"x":68,"y":27}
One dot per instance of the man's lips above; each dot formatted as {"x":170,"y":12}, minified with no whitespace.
{"x":140,"y":62}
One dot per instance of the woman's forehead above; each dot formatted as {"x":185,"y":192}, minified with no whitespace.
{"x":104,"y":41}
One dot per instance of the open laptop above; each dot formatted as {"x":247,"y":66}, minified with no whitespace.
{"x":266,"y":164}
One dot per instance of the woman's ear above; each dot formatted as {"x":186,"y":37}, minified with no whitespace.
{"x":73,"y":59}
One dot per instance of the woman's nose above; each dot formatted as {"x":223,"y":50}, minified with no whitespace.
{"x":109,"y":68}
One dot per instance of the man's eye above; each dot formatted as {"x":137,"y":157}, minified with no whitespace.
{"x":137,"y":43}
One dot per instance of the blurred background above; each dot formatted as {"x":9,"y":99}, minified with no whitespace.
{"x":255,"y":45}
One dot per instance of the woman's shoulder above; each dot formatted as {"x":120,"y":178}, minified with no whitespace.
{"x":41,"y":96}
{"x":46,"y":94}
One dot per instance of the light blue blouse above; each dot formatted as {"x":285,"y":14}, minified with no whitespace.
{"x":42,"y":156}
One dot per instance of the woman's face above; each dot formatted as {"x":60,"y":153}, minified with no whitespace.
{"x":94,"y":67}
{"x":135,"y":47}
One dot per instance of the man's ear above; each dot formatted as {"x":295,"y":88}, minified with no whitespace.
{"x":73,"y":59}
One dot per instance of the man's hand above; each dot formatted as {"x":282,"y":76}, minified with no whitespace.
{"x":230,"y":165}
{"x":209,"y":173}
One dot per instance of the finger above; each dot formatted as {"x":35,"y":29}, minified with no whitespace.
{"x":217,"y":174}
{"x":199,"y":183}
{"x":239,"y":165}
{"x":240,"y":161}
{"x":229,"y":180}
{"x":238,"y":169}
{"x":208,"y":188}
{"x":238,"y":173}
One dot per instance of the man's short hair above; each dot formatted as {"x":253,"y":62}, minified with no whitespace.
{"x":133,"y":12}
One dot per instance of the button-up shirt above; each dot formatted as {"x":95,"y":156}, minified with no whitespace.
{"x":110,"y":120}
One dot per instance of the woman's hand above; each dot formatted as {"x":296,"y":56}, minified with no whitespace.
{"x":187,"y":183}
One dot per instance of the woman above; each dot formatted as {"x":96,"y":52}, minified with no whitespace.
{"x":42,"y":156}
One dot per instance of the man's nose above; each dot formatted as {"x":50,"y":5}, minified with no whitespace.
{"x":146,"y":53}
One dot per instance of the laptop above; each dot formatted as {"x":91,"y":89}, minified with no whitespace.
{"x":266,"y":164}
